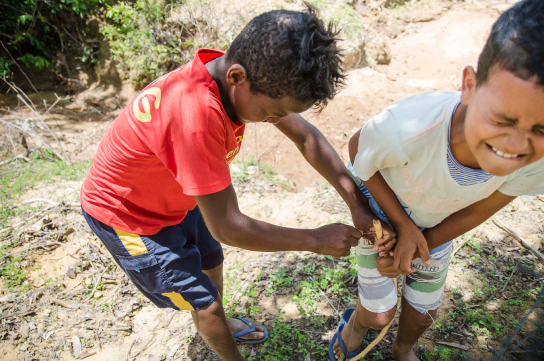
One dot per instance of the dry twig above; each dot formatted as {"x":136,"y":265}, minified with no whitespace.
{"x":526,"y":244}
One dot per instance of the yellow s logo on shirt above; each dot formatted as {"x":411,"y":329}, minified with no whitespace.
{"x":145,"y":116}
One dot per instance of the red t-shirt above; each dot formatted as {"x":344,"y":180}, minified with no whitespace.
{"x":172,"y":142}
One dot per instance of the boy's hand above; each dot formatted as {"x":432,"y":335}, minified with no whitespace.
{"x":385,"y":244}
{"x":385,"y":267}
{"x":362,"y":219}
{"x":335,"y":239}
{"x":411,"y":240}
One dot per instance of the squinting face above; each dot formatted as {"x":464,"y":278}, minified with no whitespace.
{"x":504,"y":123}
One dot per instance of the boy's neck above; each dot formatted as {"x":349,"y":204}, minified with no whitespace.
{"x":218,"y":69}
{"x":458,"y":142}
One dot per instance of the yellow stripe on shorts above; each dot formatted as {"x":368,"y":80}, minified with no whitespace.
{"x":179,"y":301}
{"x":132,"y":242}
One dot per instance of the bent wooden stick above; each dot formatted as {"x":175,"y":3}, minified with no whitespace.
{"x":377,"y":228}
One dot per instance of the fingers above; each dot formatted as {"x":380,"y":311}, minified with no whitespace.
{"x":403,"y":265}
{"x":406,"y":266}
{"x":388,"y":246}
{"x":388,"y":237}
{"x":353,"y":236}
{"x":424,"y":253}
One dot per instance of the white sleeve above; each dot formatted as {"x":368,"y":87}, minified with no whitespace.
{"x":529,"y":181}
{"x":379,"y":146}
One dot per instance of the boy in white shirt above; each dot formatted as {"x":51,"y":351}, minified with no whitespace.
{"x":436,"y":165}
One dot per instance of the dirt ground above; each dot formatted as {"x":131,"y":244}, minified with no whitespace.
{"x":75,"y":303}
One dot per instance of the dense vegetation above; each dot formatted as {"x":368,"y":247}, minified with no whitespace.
{"x":146,"y":38}
{"x":40,"y":33}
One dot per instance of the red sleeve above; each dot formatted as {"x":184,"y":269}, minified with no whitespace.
{"x":197,"y":157}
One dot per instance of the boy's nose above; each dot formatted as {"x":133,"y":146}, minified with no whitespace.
{"x":517,"y":143}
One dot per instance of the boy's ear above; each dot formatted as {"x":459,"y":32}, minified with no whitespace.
{"x":236,"y":75}
{"x":469,"y":84}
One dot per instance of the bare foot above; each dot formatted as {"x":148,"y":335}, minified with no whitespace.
{"x":236,"y":325}
{"x":352,"y":335}
{"x":400,"y":355}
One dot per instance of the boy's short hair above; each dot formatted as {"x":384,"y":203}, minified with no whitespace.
{"x":516,"y":43}
{"x":290,"y":53}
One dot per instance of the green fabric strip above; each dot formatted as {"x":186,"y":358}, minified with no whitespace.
{"x":367,"y":261}
{"x":425,"y":287}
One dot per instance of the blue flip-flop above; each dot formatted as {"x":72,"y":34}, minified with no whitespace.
{"x":337,"y":335}
{"x":251,"y":328}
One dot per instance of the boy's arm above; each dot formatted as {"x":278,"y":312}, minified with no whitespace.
{"x":453,"y":226}
{"x":323,"y":158}
{"x":412,"y":237}
{"x":466,"y":219}
{"x":409,"y":238}
{"x":230,"y":226}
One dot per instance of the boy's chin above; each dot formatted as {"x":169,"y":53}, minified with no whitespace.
{"x":499,"y":168}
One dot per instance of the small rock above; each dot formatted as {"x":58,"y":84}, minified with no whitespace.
{"x":111,"y":103}
{"x":46,"y":312}
{"x":31,"y":326}
{"x":235,"y":169}
{"x":97,"y":294}
{"x":307,"y":358}
{"x":251,"y":170}
{"x":76,"y":346}
{"x":378,"y":49}
{"x":24,"y":330}
{"x":393,"y":30}
{"x":24,"y":264}
{"x":71,"y":272}
{"x":9,"y":298}
{"x":252,"y":353}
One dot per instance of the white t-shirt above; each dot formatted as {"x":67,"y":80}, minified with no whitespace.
{"x":408,"y":144}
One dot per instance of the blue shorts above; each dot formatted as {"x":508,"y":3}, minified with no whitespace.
{"x":167,"y":267}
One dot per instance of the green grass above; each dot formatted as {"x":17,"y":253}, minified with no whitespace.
{"x":288,"y":342}
{"x":15,"y":180}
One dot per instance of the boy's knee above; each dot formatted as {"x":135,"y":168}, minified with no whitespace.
{"x":380,"y":320}
{"x":208,"y":313}
{"x":425,"y":319}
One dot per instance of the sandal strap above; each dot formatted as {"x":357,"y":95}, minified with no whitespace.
{"x":245,"y":332}
{"x":341,"y":342}
{"x":343,"y":345}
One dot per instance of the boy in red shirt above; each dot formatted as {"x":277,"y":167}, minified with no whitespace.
{"x":159,"y":192}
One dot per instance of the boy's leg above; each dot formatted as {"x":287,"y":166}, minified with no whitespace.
{"x":212,"y":325}
{"x":412,"y":324}
{"x":377,"y":300}
{"x":235,"y":325}
{"x":422,"y":293}
{"x":357,"y":327}
{"x":158,"y":266}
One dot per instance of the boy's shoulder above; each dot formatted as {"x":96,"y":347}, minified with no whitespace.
{"x":423,"y":106}
{"x":419,"y":114}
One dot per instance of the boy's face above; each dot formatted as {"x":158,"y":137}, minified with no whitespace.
{"x":252,"y":108}
{"x":504,"y":123}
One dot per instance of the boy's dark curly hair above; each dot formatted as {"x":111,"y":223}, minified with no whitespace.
{"x":290,"y":53}
{"x":516,"y":43}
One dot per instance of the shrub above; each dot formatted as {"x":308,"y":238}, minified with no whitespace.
{"x":150,"y":38}
{"x":37,"y":32}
